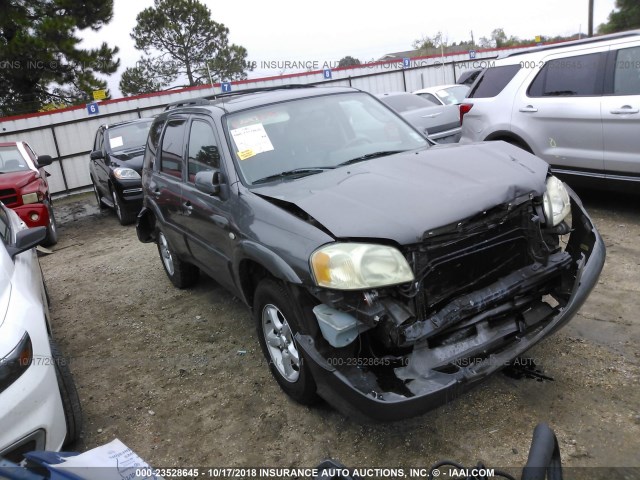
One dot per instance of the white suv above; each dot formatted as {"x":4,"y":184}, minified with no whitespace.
{"x":574,"y":104}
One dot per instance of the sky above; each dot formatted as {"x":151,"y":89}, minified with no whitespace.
{"x":327,"y":31}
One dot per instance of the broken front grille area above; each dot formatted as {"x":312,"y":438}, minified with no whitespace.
{"x":9,"y":197}
{"x":473,"y":254}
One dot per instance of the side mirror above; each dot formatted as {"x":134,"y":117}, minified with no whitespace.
{"x":96,"y":155}
{"x":44,"y":160}
{"x":26,"y":239}
{"x":209,"y":182}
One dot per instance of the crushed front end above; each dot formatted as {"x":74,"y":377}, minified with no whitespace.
{"x":485,"y":289}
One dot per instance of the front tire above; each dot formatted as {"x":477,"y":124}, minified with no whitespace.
{"x":68,"y":394}
{"x":181,"y":274}
{"x":52,"y":229}
{"x":276,"y":325}
{"x":101,"y":206}
{"x":124,"y":217}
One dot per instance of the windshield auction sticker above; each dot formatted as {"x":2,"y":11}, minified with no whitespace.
{"x":251,"y":140}
{"x":116,"y":142}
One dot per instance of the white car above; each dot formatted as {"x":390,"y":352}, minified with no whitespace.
{"x":444,"y":94}
{"x":39,"y":404}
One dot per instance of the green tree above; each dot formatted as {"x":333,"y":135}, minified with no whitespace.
{"x":40,"y":61}
{"x":428,"y":45}
{"x":625,"y":17}
{"x":348,"y":61}
{"x":181,"y":40}
{"x":147,"y":76}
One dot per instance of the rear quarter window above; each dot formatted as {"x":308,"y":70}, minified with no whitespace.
{"x":152,"y":144}
{"x":493,"y":81}
{"x":626,"y":80}
{"x":173,"y":147}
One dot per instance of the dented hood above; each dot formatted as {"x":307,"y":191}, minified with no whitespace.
{"x":402,"y":197}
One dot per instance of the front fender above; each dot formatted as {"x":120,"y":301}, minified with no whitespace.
{"x":271,"y":261}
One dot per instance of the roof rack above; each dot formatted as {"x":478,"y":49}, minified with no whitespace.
{"x":289,"y":86}
{"x":585,"y":41}
{"x":191,"y":102}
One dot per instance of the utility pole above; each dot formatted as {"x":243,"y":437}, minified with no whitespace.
{"x":473,"y":42}
{"x":590,"y":34}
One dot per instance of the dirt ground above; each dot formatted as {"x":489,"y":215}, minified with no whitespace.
{"x":179,"y":377}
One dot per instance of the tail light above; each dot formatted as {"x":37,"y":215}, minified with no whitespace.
{"x":464,"y":108}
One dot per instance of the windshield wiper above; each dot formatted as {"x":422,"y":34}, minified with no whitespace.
{"x":369,"y":156}
{"x":296,"y":172}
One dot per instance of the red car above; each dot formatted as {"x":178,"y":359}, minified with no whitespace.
{"x":24,"y":187}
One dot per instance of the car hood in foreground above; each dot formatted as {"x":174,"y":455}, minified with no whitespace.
{"x":17,"y":180}
{"x":131,"y":160}
{"x":402,"y":197}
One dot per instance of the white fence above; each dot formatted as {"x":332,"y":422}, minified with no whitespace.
{"x":67,"y":135}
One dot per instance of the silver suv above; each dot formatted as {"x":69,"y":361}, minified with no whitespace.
{"x":575,"y":104}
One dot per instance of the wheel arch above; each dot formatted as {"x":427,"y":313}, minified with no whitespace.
{"x":509,"y":137}
{"x":146,"y":226}
{"x":253,"y":262}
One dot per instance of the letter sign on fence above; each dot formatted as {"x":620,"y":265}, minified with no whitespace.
{"x":327,"y":73}
{"x":406,"y":62}
{"x":225,"y":86}
{"x":472,"y":54}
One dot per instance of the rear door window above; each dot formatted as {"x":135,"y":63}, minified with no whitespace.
{"x":579,"y":76}
{"x":493,"y":81}
{"x":173,"y":147}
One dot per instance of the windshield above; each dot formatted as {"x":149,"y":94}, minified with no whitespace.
{"x":453,"y":95}
{"x":128,"y":137}
{"x":311,"y":135}
{"x":11,"y":160}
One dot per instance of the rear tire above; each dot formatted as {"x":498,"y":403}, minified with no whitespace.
{"x":181,"y":274}
{"x":124,"y":217}
{"x":276,"y":325}
{"x":68,"y":394}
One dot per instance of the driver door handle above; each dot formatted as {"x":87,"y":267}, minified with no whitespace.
{"x":624,"y":109}
{"x":529,"y":109}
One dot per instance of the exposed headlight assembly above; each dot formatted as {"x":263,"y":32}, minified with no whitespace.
{"x":557,"y":204}
{"x":125,"y":173}
{"x":355,"y":266}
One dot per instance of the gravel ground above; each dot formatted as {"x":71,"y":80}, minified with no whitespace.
{"x":179,"y":377}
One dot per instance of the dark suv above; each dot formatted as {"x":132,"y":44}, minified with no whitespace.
{"x":116,"y":164}
{"x":384,"y":274}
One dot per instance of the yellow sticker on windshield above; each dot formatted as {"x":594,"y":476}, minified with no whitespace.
{"x":244,"y":154}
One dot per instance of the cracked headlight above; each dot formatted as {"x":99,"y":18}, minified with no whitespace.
{"x":557,"y":204}
{"x":125,"y":173}
{"x":354,"y":266}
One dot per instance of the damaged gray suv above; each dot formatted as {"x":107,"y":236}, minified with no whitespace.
{"x":385,"y":275}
